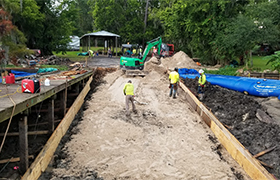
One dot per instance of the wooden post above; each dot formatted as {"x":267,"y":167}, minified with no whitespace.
{"x":116,"y":46}
{"x":63,"y":101}
{"x":77,"y":87}
{"x":51,"y":114}
{"x":23,"y":144}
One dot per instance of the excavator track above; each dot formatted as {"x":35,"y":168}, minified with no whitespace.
{"x":134,"y":73}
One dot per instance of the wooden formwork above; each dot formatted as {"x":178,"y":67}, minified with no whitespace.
{"x":43,"y":159}
{"x":250,"y":164}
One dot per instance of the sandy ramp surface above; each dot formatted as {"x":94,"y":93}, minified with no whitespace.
{"x":165,"y":140}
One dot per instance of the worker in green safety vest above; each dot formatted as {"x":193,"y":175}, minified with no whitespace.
{"x":201,"y":84}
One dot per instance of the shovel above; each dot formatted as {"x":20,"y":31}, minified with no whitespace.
{"x":141,"y":103}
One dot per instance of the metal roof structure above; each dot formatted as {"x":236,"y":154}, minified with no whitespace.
{"x":101,"y":34}
{"x":109,"y":37}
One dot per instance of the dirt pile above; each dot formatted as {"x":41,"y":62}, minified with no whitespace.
{"x":237,"y":112}
{"x":154,"y":65}
{"x":180,"y":60}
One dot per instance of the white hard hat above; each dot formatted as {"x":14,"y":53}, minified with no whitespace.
{"x":201,"y":71}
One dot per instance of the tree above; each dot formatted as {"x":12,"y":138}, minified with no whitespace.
{"x":46,"y":25}
{"x":84,"y":20}
{"x":236,"y":40}
{"x":125,"y":18}
{"x":5,"y":23}
{"x":194,"y":24}
{"x":10,"y":37}
{"x":257,"y":25}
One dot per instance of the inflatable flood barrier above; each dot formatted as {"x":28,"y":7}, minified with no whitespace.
{"x":253,"y":86}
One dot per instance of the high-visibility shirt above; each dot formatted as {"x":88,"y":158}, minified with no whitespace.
{"x":202,"y":79}
{"x":134,"y":51}
{"x":90,"y":52}
{"x":174,"y":77}
{"x":128,"y":89}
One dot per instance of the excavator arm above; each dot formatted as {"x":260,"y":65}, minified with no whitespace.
{"x":138,"y":62}
{"x":155,"y":42}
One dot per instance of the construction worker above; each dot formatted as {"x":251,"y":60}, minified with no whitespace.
{"x":109,"y":52}
{"x":174,"y":82}
{"x":128,"y":91}
{"x":154,"y":51}
{"x":90,"y":54}
{"x":201,"y":84}
{"x":134,"y":52}
{"x":140,"y":52}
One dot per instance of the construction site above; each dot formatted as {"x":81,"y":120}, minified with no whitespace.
{"x":227,"y":135}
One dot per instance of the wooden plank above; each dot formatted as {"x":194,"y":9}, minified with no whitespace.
{"x":264,"y":152}
{"x":26,"y":101}
{"x":28,"y":133}
{"x":252,"y":167}
{"x":16,"y":159}
{"x":42,"y":160}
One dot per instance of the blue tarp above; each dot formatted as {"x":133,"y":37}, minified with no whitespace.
{"x":253,"y":86}
{"x":42,"y":70}
{"x":20,"y":74}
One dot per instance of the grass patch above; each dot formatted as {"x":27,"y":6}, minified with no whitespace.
{"x":72,"y":55}
{"x":227,"y":70}
{"x":259,"y":63}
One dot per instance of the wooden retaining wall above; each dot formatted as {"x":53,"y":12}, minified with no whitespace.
{"x":251,"y":165}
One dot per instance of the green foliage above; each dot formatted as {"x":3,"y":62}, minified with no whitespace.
{"x":236,"y":39}
{"x":16,"y":43}
{"x":46,"y":26}
{"x":227,"y":70}
{"x":84,"y":20}
{"x":274,"y":60}
{"x":194,"y":24}
{"x":126,"y":18}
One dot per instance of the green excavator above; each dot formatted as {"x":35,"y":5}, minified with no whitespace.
{"x":136,"y":61}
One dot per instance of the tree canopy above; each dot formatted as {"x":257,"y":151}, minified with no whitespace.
{"x":214,"y":31}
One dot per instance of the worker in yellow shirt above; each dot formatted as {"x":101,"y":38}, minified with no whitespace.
{"x":134,"y":52}
{"x":90,"y":54}
{"x":174,"y":82}
{"x":128,"y":91}
{"x":201,"y":84}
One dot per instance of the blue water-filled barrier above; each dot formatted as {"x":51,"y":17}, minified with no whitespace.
{"x":253,"y":86}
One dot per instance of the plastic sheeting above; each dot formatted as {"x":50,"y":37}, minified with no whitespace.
{"x":43,"y":70}
{"x":253,"y":86}
{"x":20,"y":74}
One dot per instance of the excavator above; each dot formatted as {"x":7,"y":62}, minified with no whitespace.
{"x":128,"y":62}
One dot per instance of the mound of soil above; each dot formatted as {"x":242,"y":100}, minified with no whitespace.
{"x":238,"y":112}
{"x":180,"y":60}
